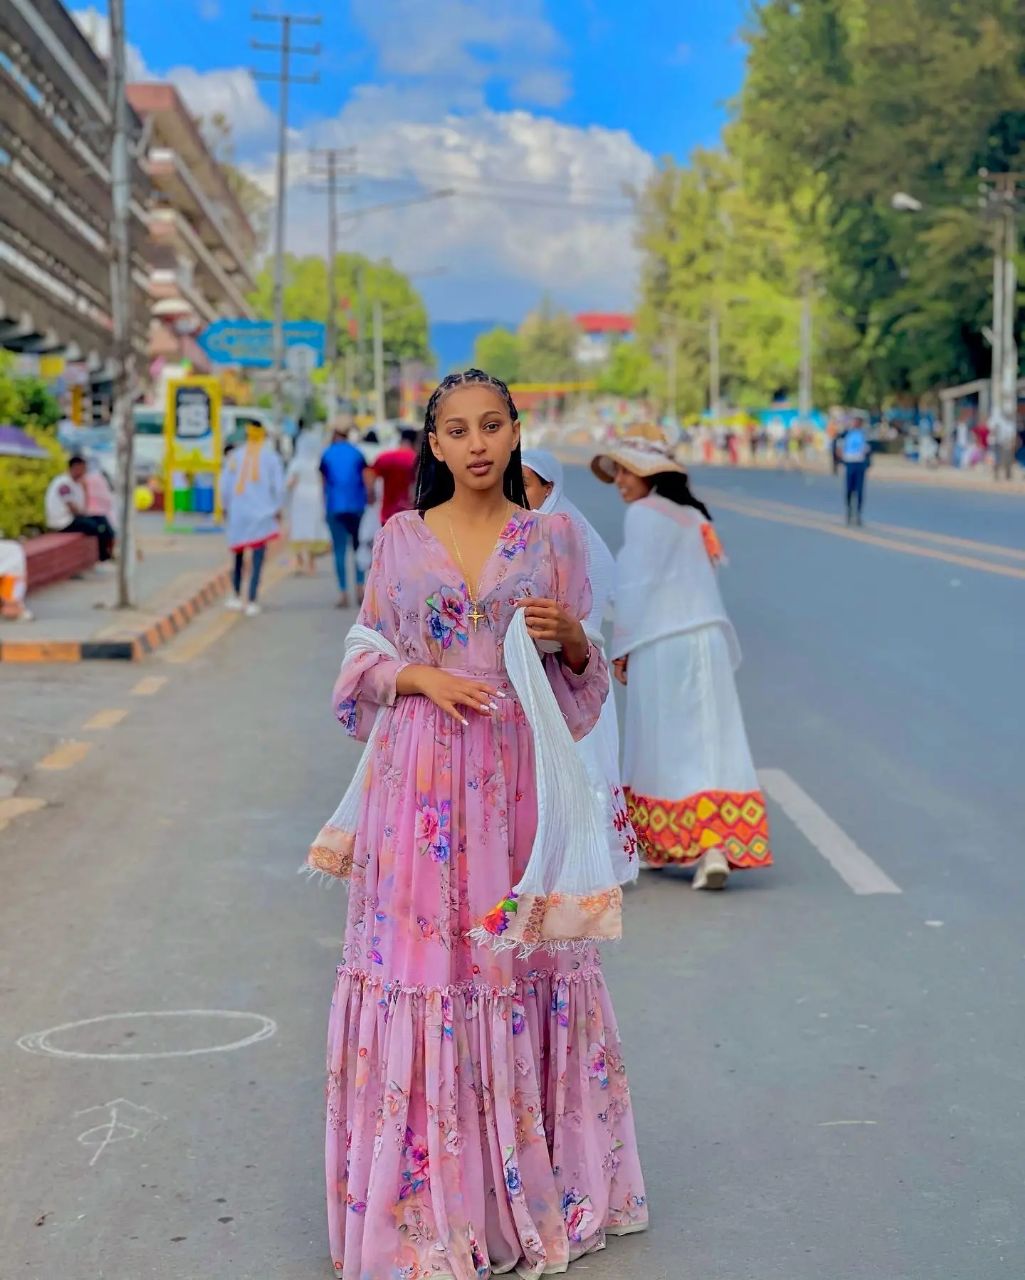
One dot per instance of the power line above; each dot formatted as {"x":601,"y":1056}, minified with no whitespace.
{"x":283,"y":77}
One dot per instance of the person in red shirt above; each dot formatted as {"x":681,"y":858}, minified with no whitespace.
{"x":397,"y":471}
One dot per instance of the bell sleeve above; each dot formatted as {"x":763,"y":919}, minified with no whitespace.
{"x":580,"y":697}
{"x":367,"y":681}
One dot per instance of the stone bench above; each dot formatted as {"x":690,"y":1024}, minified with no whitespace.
{"x":53,"y":557}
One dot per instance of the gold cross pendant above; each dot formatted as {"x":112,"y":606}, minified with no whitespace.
{"x":475,"y":615}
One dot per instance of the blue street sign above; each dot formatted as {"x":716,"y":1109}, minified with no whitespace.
{"x":251,"y":342}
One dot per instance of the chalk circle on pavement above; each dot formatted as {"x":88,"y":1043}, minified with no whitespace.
{"x":139,"y":1037}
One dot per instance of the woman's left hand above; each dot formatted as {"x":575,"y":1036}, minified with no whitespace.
{"x":549,"y":620}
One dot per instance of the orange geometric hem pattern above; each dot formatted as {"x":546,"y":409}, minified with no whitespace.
{"x":681,"y":831}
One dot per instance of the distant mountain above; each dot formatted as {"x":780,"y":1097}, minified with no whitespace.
{"x":452,"y":342}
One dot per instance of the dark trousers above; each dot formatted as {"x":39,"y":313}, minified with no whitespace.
{"x":855,"y":488}
{"x":259,"y":554}
{"x":344,"y":527}
{"x":98,"y":527}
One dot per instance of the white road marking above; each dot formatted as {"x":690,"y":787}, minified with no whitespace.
{"x":839,"y":1124}
{"x":38,"y":1041}
{"x":125,"y":1120}
{"x":850,"y":863}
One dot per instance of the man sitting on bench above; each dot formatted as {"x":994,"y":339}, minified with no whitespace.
{"x":65,"y":509}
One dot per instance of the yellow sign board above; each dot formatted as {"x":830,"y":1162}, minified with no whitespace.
{"x":192,"y":433}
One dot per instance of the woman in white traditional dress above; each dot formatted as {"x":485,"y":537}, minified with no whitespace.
{"x":691,"y":787}
{"x":543,"y":480}
{"x":252,"y":495}
{"x":307,"y":524}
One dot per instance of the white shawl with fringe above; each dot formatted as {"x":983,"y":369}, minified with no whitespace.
{"x":569,"y":894}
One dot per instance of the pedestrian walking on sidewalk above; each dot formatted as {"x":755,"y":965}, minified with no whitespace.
{"x":346,"y":476}
{"x":855,"y":456}
{"x":307,"y":525}
{"x":691,"y":787}
{"x":543,"y":481}
{"x":479,"y":1118}
{"x":252,"y":495}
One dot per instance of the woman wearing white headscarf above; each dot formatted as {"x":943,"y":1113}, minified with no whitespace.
{"x":308,"y":531}
{"x":693,"y":793}
{"x":544,"y":480}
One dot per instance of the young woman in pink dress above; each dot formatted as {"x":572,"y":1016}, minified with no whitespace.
{"x":479,"y":1118}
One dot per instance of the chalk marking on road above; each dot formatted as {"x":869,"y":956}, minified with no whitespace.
{"x":65,"y":756}
{"x":105,"y":719}
{"x":839,"y":1124}
{"x":14,"y":806}
{"x":38,"y":1041}
{"x":859,"y":535}
{"x":116,"y":1128}
{"x":149,"y":685}
{"x":851,"y":864}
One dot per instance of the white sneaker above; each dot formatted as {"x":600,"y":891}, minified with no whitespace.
{"x":234,"y":604}
{"x":252,"y":609}
{"x":713,"y":871}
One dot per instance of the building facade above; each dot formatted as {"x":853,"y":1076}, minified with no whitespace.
{"x":55,"y":201}
{"x":200,"y":244}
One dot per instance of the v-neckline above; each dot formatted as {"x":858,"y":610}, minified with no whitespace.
{"x":481,"y":592}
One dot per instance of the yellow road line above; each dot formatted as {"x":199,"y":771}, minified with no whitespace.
{"x":66,"y":755}
{"x":14,"y":806}
{"x":860,"y":535}
{"x":901,"y":531}
{"x":187,"y":649}
{"x":202,"y":638}
{"x":105,"y":719}
{"x":149,"y":685}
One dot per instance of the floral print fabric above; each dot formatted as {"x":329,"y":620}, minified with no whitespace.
{"x":479,"y":1114}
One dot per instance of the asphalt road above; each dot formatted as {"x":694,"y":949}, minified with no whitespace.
{"x":827,"y":1083}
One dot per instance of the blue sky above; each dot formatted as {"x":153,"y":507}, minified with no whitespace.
{"x":535,"y":111}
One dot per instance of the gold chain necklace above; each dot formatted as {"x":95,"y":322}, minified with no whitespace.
{"x":476,"y":615}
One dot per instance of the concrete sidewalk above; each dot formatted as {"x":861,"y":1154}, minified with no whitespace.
{"x":179,"y":574}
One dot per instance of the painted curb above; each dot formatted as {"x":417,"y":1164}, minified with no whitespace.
{"x":129,"y":646}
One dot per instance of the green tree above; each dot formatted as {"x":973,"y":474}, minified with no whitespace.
{"x":359,"y":283}
{"x":629,"y":372}
{"x":499,"y":352}
{"x":548,"y":344}
{"x":851,"y":102}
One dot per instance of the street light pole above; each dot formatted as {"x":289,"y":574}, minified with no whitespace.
{"x":714,"y":375}
{"x":379,"y":413}
{"x":121,"y":307}
{"x":804,"y":395}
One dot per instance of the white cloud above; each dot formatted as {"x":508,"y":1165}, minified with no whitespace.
{"x":95,"y":26}
{"x":534,"y":212}
{"x":233,"y":92}
{"x":464,"y":45}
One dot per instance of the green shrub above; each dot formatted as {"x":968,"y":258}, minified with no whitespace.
{"x":23,"y":483}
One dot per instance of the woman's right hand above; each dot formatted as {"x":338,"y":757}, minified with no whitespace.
{"x":619,"y":669}
{"x":449,"y":692}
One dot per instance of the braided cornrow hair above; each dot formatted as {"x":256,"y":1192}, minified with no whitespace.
{"x":434,"y":483}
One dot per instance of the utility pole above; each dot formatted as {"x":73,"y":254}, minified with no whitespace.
{"x":714,"y":376}
{"x":284,"y":78}
{"x":121,"y":307}
{"x":332,"y":165}
{"x":379,"y":412}
{"x":1004,"y":375}
{"x":672,"y":356}
{"x":804,"y":394}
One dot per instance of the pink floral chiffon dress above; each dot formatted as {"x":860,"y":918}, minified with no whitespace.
{"x":478,"y":1111}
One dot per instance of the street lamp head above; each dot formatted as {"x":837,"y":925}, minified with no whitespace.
{"x":903,"y":202}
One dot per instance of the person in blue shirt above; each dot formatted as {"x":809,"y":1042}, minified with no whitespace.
{"x":344,"y":470}
{"x":854,"y":454}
